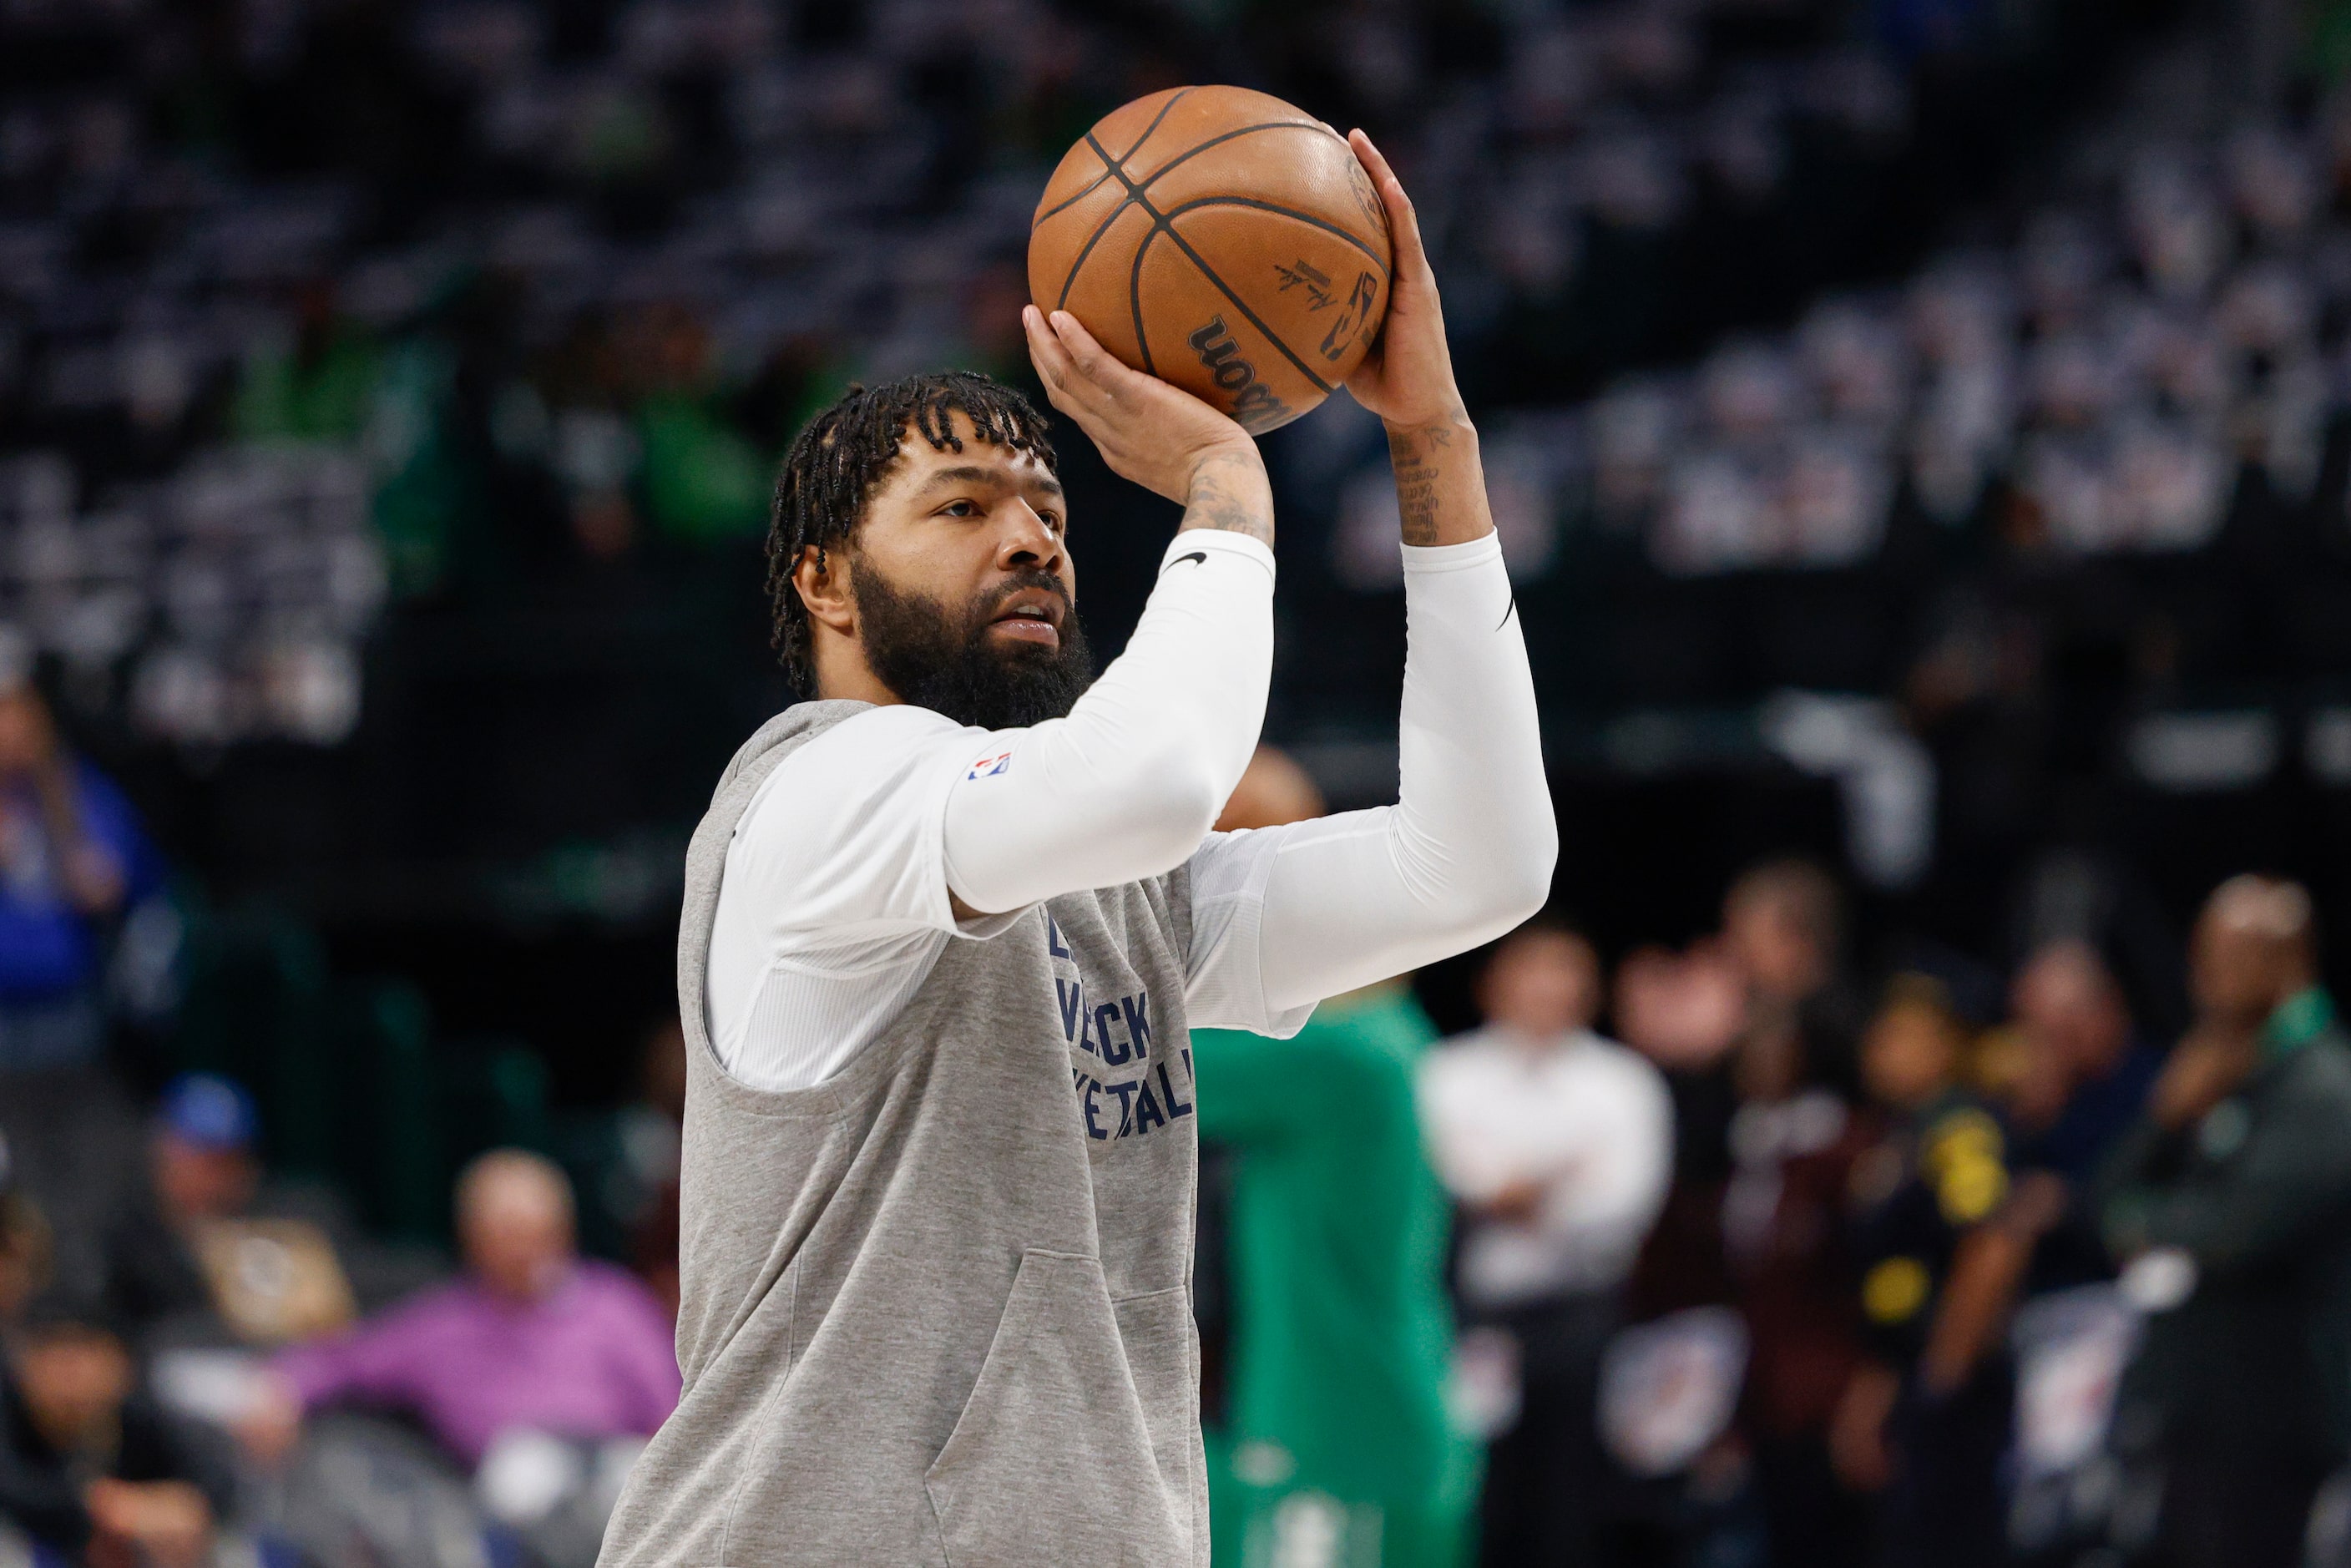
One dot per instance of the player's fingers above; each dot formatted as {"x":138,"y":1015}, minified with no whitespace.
{"x":1094,"y":411}
{"x":1403,"y":218}
{"x":1062,"y":382}
{"x":1045,"y":350}
{"x":1374,"y":161}
{"x":1094,"y":363}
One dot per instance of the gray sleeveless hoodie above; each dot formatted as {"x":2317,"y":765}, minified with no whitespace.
{"x":938,"y":1308}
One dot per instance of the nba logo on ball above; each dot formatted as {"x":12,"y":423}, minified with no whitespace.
{"x":1222,"y":240}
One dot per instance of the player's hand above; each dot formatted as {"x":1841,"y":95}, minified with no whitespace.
{"x":1408,"y":378}
{"x":1156,"y":434}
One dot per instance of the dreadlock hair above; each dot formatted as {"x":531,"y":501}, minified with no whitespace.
{"x":842,"y":452}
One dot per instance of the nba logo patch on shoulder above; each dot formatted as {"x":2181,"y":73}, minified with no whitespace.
{"x":989,"y":767}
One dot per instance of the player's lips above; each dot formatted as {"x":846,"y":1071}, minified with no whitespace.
{"x":1031,"y":615}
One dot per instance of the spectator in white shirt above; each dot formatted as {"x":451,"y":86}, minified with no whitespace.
{"x":1558,"y":1143}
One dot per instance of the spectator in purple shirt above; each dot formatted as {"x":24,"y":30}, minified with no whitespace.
{"x":533,"y":1338}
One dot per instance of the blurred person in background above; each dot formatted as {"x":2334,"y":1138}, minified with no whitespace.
{"x":1686,"y":1013}
{"x":317,"y":387}
{"x":1924,"y":1418}
{"x":1558,"y":1144}
{"x":24,"y":1244}
{"x":644,"y":1192}
{"x":1337,"y":1429}
{"x":2232,"y":1200}
{"x":201,"y":1255}
{"x":1784,"y":927}
{"x":533,"y":1337}
{"x":2081,"y":1084}
{"x":1794,"y":1143}
{"x":73,"y":858}
{"x":89,"y":1468}
{"x":2073,"y":1081}
{"x":701,"y":479}
{"x":1747,"y":1024}
{"x":72,"y":855}
{"x":1770,"y":977}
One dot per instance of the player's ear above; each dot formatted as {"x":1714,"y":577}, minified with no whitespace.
{"x":822,"y":580}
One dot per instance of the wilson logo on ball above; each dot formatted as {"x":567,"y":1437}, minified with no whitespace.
{"x":1221,"y":356}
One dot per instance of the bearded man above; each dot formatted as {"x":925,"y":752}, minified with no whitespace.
{"x":947,"y":927}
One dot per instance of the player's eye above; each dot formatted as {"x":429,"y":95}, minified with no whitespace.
{"x":961,"y":509}
{"x":1051,"y":521}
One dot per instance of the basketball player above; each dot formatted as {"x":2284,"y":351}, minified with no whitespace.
{"x":946,"y":929}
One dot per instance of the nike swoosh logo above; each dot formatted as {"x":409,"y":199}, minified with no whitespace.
{"x":1200,"y":555}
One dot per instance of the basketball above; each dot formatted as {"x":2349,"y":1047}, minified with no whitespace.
{"x":1221,"y":240}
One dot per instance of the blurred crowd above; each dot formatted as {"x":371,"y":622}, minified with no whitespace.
{"x":2178,"y":320}
{"x":1846,"y":1250}
{"x":202,"y":1362}
{"x":405,"y":378}
{"x":216,"y":1392}
{"x":1848,"y":1255}
{"x":207,"y":1365}
{"x":305,"y":303}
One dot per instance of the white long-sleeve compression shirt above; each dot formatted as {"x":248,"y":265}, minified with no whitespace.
{"x":834,"y":908}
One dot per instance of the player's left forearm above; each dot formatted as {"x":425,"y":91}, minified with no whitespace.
{"x":1440,"y":481}
{"x":1474,"y":829}
{"x":1467,"y":851}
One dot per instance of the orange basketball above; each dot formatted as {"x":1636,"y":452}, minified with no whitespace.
{"x":1221,"y":240}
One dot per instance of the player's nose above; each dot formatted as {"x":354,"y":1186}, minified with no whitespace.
{"x":1027,"y":540}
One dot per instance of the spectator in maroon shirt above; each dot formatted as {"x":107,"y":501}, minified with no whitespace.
{"x":1794,"y":1141}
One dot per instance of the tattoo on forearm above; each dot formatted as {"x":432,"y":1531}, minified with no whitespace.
{"x":1440,"y":492}
{"x":1220,"y":512}
{"x":1235,"y":508}
{"x":1418,"y":471}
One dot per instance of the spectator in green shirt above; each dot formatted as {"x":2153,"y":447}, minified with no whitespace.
{"x":318,"y":387}
{"x":2232,"y":1203}
{"x":1337,"y":1448}
{"x":702,"y":481}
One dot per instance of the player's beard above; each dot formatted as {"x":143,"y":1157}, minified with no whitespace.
{"x":945,"y":660}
